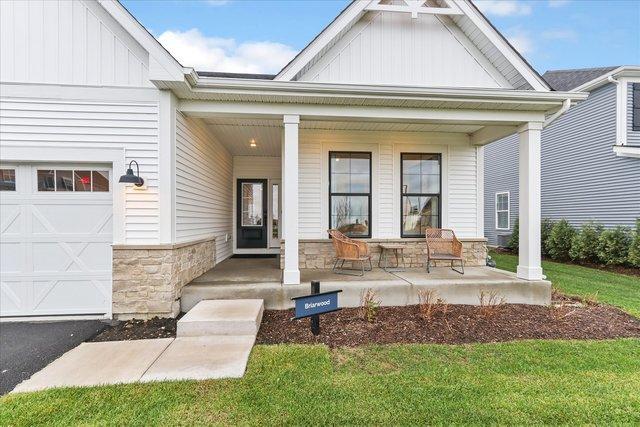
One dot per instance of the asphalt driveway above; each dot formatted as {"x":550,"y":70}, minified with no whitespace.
{"x":25,"y":348}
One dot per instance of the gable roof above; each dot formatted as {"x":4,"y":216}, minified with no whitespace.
{"x":565,"y":80}
{"x":471,"y":21}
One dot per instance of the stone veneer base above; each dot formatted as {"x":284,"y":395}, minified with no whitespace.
{"x":148,"y":279}
{"x":319,"y":253}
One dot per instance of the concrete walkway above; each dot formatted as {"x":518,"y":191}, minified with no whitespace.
{"x":214,"y":342}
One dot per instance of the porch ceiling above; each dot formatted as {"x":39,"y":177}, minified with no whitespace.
{"x":235,"y":133}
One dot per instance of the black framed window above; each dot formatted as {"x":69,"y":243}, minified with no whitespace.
{"x":421,"y":199}
{"x":350,"y":193}
{"x":636,"y":106}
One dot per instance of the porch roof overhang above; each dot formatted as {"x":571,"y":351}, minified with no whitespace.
{"x":499,"y":111}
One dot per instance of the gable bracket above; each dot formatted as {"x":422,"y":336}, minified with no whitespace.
{"x":414,"y":7}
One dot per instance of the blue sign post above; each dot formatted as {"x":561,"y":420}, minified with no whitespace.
{"x":315,"y":304}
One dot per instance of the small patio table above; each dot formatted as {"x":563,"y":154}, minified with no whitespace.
{"x":398,"y":251}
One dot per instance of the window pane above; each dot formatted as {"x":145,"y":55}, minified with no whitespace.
{"x":7,"y":180}
{"x":350,"y":214}
{"x":339,"y":163}
{"x":359,"y":183}
{"x":411,"y":184}
{"x":46,"y":180}
{"x":82,"y":180}
{"x":251,"y":204}
{"x":430,"y":184}
{"x":411,"y":164}
{"x":64,"y":180}
{"x":360,"y":163}
{"x":100,"y":180}
{"x":430,"y":165}
{"x":340,"y":183}
{"x":503,"y":220}
{"x":418,"y":213}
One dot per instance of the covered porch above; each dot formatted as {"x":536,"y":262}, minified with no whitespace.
{"x":261,"y":278}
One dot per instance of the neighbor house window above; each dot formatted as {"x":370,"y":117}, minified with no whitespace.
{"x":502,"y":211}
{"x":636,"y":106}
{"x":7,"y":180}
{"x":421,"y":197}
{"x":73,"y":180}
{"x":350,"y":193}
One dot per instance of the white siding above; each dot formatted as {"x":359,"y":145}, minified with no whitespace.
{"x":393,"y":48}
{"x":67,"y":42}
{"x":203,"y":186}
{"x":132,"y":126}
{"x":387,"y":221}
{"x":257,"y":167}
{"x":310,"y":184}
{"x":463,"y":189}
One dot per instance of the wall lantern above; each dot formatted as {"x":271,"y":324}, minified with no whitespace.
{"x":130,"y":178}
{"x":252,"y":143}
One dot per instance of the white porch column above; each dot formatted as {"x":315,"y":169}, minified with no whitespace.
{"x":291,"y":275}
{"x":529,"y":259}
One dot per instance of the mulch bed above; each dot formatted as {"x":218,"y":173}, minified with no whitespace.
{"x":138,"y":330}
{"x":568,"y":319}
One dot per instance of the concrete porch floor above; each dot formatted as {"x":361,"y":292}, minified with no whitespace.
{"x":237,"y":278}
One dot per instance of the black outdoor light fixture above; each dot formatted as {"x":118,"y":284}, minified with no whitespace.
{"x":130,"y":178}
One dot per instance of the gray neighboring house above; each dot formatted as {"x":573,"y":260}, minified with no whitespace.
{"x":590,"y":157}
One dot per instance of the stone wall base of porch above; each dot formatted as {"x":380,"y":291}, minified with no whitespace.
{"x":148,"y":279}
{"x":319,"y":253}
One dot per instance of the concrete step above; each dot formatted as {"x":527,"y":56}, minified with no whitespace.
{"x":222,"y":317}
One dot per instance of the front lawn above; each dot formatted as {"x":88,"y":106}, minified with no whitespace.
{"x":616,"y":289}
{"x":526,"y":382}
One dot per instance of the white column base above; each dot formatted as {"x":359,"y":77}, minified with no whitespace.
{"x":529,"y":273}
{"x":291,"y":277}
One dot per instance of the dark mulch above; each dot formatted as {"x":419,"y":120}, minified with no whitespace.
{"x":461,"y":324}
{"x":138,"y":330}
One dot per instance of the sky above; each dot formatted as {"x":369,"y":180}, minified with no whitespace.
{"x":249,"y":36}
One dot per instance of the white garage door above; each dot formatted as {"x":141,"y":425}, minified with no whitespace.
{"x":55,"y":240}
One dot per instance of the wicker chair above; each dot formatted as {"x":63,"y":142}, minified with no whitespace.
{"x":348,"y":249}
{"x":442,"y":245}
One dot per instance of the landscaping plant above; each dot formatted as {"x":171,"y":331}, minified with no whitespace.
{"x":369,"y":305}
{"x":559,"y":241}
{"x":427,"y":300}
{"x":514,"y":241}
{"x":634,"y":250}
{"x":490,"y":302}
{"x":545,"y":231}
{"x":584,"y":245}
{"x":613,"y":246}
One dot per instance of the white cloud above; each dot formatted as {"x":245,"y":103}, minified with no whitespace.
{"x":560,"y":34}
{"x":503,"y":7}
{"x":557,"y":3}
{"x":522,"y":42}
{"x":193,"y":49}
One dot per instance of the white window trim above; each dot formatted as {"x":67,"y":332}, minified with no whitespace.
{"x":508,"y":210}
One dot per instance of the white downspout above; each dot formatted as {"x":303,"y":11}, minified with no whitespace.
{"x":566,"y":104}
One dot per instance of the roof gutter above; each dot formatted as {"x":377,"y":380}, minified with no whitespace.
{"x":566,"y":104}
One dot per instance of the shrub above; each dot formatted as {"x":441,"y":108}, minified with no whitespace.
{"x":369,"y":305}
{"x":514,"y":241}
{"x":584,"y":246}
{"x":490,"y":302}
{"x":613,"y":246}
{"x":545,"y":232}
{"x":427,"y":300}
{"x":634,"y":250}
{"x":559,"y":241}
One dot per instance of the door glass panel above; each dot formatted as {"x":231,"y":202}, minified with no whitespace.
{"x":7,"y":180}
{"x":46,"y":180}
{"x":275,"y":217}
{"x":100,"y":180}
{"x":64,"y":180}
{"x":252,"y":204}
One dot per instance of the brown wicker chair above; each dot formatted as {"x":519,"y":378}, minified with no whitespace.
{"x":348,"y":249}
{"x":442,"y":245}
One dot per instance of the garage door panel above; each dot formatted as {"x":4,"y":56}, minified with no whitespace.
{"x":55,"y":249}
{"x":53,"y":296}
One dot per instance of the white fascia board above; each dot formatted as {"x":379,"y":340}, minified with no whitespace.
{"x":295,"y":88}
{"x":503,"y":46}
{"x":353,"y":12}
{"x":162,"y":65}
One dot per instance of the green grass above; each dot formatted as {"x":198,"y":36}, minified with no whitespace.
{"x":616,"y":289}
{"x":527,"y":382}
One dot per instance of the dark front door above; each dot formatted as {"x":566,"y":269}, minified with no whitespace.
{"x":252,"y":213}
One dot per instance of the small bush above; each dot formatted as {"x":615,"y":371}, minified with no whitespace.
{"x":634,"y":250}
{"x":369,"y":305}
{"x":514,"y":241}
{"x":427,"y":300}
{"x":490,"y":302}
{"x":545,"y":231}
{"x":584,"y":246}
{"x":559,"y":241}
{"x":613,"y":246}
